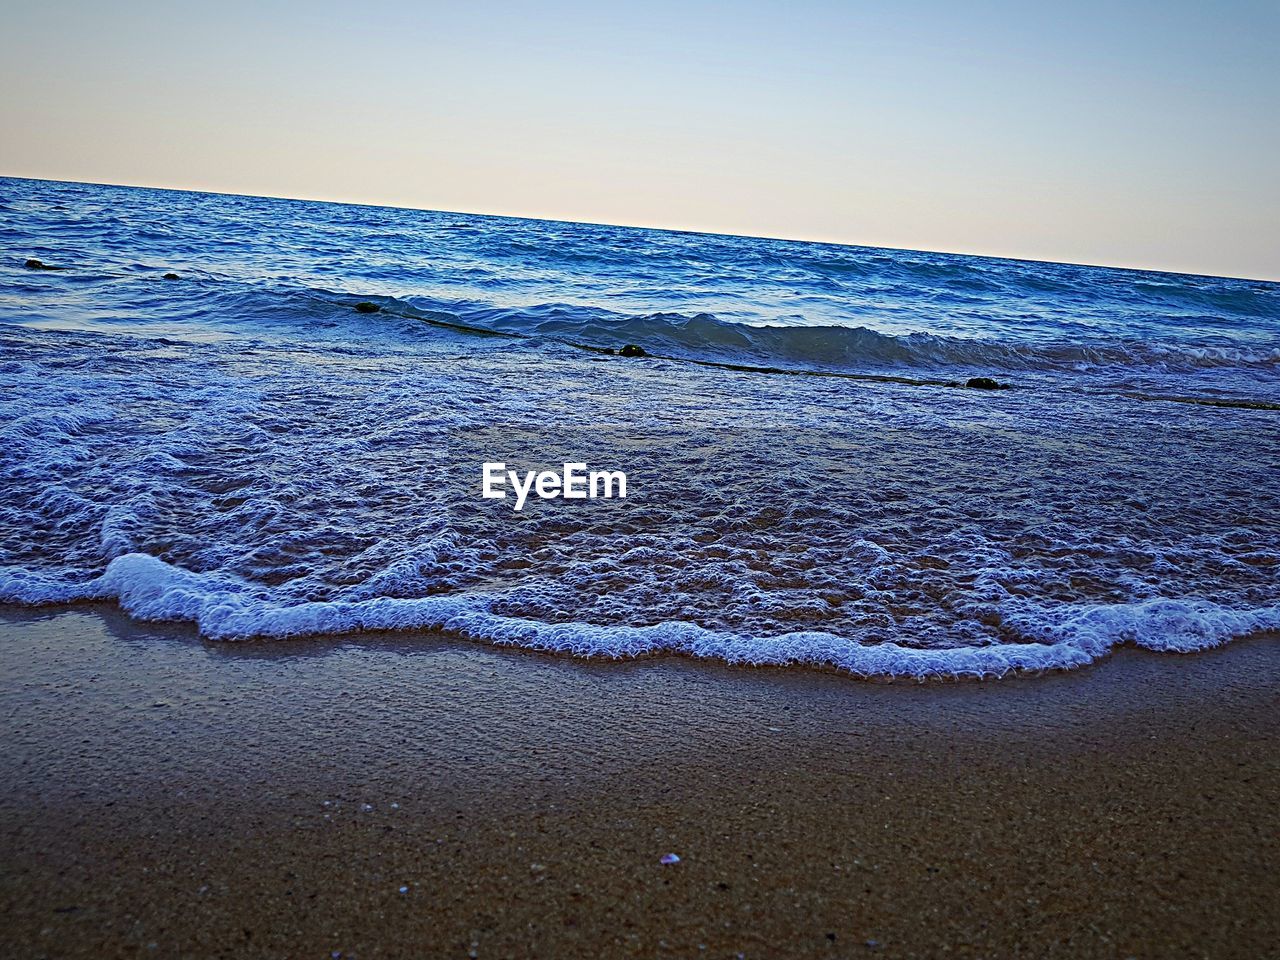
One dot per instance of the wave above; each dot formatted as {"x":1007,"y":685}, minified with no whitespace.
{"x":705,"y":336}
{"x":1061,"y":638}
{"x":1071,"y":335}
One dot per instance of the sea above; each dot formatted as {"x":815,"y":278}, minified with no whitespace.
{"x":197,"y":424}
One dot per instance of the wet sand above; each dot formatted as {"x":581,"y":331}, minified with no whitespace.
{"x":408,"y":796}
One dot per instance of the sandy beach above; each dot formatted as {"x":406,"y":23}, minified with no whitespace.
{"x":409,"y":796}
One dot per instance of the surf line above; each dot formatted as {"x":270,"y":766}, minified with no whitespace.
{"x":986,"y":384}
{"x":716,"y":364}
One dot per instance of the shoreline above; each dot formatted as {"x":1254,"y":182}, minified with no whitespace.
{"x":151,"y":593}
{"x":272,"y":798}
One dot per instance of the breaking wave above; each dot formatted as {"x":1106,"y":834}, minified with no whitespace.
{"x":703,"y":336}
{"x":1064,"y":638}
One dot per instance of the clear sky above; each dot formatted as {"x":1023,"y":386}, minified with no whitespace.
{"x":1133,"y":134}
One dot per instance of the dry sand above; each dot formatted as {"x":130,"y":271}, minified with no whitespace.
{"x":165,"y":797}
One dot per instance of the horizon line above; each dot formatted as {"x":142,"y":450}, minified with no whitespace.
{"x":636,"y":226}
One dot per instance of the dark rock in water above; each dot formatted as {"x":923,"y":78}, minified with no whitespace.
{"x":34,"y":264}
{"x":631,"y":350}
{"x":364,"y":306}
{"x":984,"y":383}
{"x":172,"y":276}
{"x":609,"y":350}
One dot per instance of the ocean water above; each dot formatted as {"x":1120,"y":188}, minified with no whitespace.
{"x":809,"y":482}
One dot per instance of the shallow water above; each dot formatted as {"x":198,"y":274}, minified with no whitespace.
{"x":240,"y":449}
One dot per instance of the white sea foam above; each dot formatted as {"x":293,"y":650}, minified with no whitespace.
{"x":226,"y":610}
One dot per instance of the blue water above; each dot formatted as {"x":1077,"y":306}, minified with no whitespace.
{"x":239,"y":448}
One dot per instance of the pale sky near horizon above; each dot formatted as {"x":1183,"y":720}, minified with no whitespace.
{"x":1124,"y":134}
